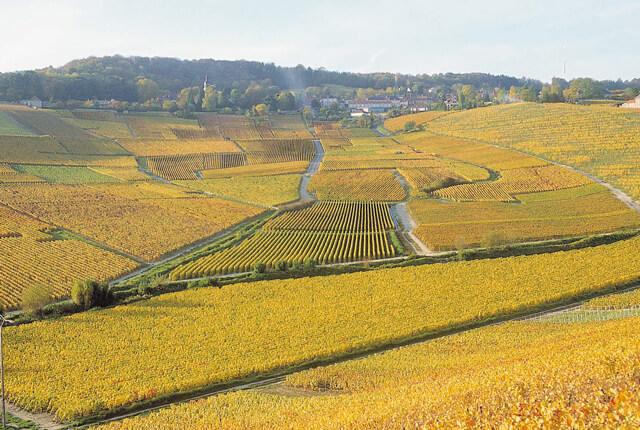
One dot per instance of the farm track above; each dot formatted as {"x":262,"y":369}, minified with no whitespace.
{"x":279,"y":377}
{"x":405,"y":224}
{"x":42,"y":420}
{"x":314,"y":165}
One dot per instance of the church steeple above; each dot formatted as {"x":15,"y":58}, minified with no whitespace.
{"x":204,"y":86}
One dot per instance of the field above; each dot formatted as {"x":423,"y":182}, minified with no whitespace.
{"x":601,"y":140}
{"x":618,"y":301}
{"x":327,"y":232}
{"x":141,"y":147}
{"x":93,"y":358}
{"x":29,"y":256}
{"x":133,"y":218}
{"x":64,"y":174}
{"x":397,"y":124}
{"x":266,"y":169}
{"x":88,"y":194}
{"x":367,"y":185}
{"x":572,"y":212}
{"x":518,"y":375}
{"x":290,"y":248}
{"x":257,"y":190}
{"x":336,"y":216}
{"x":10,"y":127}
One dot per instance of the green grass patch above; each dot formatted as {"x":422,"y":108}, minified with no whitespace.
{"x":9,"y":127}
{"x":65,"y":174}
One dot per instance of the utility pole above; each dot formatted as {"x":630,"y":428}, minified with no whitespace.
{"x":3,"y":321}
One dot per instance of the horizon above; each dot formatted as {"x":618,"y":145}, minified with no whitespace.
{"x":288,"y":36}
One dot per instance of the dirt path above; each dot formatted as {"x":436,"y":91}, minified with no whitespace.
{"x":314,"y":165}
{"x":405,"y":224}
{"x":44,"y":421}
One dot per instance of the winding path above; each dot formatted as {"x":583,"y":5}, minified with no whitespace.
{"x":314,"y":165}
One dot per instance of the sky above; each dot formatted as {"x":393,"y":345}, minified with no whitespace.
{"x":522,"y":38}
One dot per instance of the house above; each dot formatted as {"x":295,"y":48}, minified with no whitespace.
{"x":33,"y":102}
{"x":327,"y":102}
{"x":372,"y":105}
{"x":634,"y":104}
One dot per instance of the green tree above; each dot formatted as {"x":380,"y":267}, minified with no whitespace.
{"x":286,"y":100}
{"x":169,"y":106}
{"x":147,"y":89}
{"x":88,"y":294}
{"x":210,"y":99}
{"x":261,"y":109}
{"x":467,"y":96}
{"x":582,"y":89}
{"x":409,"y":125}
{"x":630,"y":93}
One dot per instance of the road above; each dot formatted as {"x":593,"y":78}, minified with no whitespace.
{"x":405,"y":223}
{"x":314,"y":165}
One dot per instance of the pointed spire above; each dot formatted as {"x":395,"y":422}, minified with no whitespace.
{"x":204,"y":87}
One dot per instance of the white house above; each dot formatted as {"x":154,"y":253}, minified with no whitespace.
{"x":635,"y":103}
{"x":33,"y":102}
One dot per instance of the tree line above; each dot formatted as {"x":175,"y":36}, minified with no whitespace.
{"x":142,"y":83}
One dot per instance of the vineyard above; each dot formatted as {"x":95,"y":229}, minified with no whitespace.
{"x":367,"y":185}
{"x":578,"y":211}
{"x":627,"y":300}
{"x":327,"y":272}
{"x":30,"y":256}
{"x":142,"y":147}
{"x":599,"y":139}
{"x":173,"y":167}
{"x":52,"y":264}
{"x":229,"y":333}
{"x":258,"y":190}
{"x":327,"y":232}
{"x":133,"y":218}
{"x":266,"y":169}
{"x":336,"y":216}
{"x":514,"y":376}
{"x":187,"y":166}
{"x":64,"y":174}
{"x":397,"y":124}
{"x":290,"y":248}
{"x":10,"y":127}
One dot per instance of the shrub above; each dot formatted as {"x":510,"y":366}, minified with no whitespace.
{"x":281,"y":266}
{"x":309,"y":264}
{"x":442,"y":183}
{"x":35,"y":298}
{"x":89,"y":294}
{"x":493,"y":239}
{"x":409,"y":125}
{"x":260,"y":268}
{"x":147,"y":285}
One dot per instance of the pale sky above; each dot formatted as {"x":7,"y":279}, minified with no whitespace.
{"x":512,"y":37}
